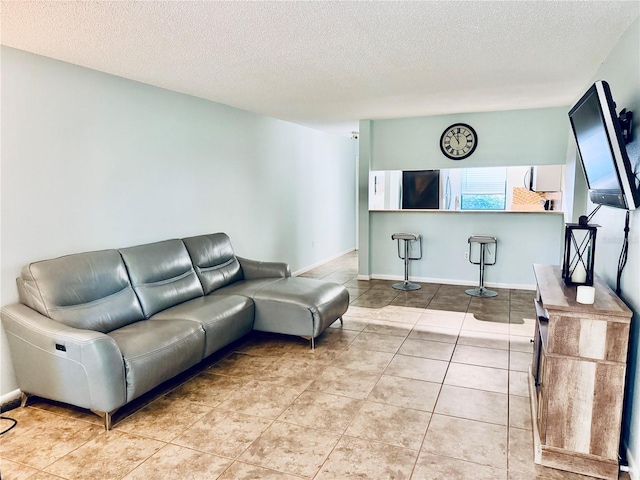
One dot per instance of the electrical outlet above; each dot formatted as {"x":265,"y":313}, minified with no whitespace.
{"x":466,"y":255}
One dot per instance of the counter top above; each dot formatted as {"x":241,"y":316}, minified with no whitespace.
{"x":501,"y":212}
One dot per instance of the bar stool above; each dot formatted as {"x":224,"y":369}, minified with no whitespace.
{"x":407,"y":237}
{"x":483,"y":241}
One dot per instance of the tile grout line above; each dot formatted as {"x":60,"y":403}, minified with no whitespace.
{"x":236,"y":459}
{"x":424,"y":437}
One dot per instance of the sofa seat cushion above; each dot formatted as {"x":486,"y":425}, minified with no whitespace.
{"x":155,"y":351}
{"x":299,"y":306}
{"x":247,"y":288}
{"x":224,"y":318}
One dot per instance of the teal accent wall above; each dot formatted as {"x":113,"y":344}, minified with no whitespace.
{"x":93,"y":161}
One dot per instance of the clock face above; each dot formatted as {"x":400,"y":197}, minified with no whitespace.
{"x":458,"y":141}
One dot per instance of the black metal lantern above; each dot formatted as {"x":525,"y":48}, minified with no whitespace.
{"x":579,"y":253}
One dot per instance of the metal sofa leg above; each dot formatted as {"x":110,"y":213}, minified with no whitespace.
{"x":107,"y":417}
{"x":23,"y":399}
{"x":341,"y":322}
{"x":309,"y":339}
{"x":107,"y":421}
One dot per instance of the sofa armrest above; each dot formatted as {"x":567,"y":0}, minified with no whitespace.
{"x":253,"y":269}
{"x":54,"y":361}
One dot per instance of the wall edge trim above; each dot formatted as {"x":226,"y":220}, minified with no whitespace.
{"x":634,"y":471}
{"x":448,"y":281}
{"x":10,"y":397}
{"x":322,"y":262}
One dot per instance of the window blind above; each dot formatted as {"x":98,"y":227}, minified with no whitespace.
{"x":484,"y":181}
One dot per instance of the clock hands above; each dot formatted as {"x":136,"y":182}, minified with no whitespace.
{"x":457,"y":137}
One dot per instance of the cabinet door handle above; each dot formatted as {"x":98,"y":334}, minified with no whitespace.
{"x":542,"y":313}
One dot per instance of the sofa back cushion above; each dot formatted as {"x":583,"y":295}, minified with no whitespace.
{"x":161,"y":274}
{"x":85,"y":290}
{"x":214,"y":260}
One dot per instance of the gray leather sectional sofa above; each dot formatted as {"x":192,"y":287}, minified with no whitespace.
{"x":99,"y":329}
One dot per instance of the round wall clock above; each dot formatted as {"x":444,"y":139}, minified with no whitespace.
{"x":458,"y":141}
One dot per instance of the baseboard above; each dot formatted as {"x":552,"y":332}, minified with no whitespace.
{"x":10,"y":400}
{"x":322,"y":262}
{"x":634,"y":467}
{"x":449,"y":281}
{"x":444,"y":281}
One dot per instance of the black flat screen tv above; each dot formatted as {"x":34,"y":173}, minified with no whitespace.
{"x":605,"y":161}
{"x":421,"y":189}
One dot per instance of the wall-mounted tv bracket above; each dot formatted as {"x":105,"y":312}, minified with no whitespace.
{"x":626,"y":125}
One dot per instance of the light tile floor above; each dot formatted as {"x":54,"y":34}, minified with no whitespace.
{"x":421,"y":385}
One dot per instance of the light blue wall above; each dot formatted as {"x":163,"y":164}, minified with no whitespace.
{"x":364,"y":151}
{"x":523,"y":239}
{"x":621,"y":70}
{"x":518,"y":137}
{"x":93,"y":161}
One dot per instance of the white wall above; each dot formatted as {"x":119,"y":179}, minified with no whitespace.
{"x":92,"y":161}
{"x":621,"y":70}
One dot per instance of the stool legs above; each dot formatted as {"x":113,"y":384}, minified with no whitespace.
{"x":406,"y":284}
{"x":480,"y":291}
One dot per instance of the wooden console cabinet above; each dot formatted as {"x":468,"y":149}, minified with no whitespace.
{"x":577,"y":376}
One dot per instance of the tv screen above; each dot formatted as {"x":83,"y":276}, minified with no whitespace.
{"x":603,"y":154}
{"x":421,"y":189}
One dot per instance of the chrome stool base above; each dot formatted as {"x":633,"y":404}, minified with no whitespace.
{"x":481,"y":292}
{"x":406,"y":286}
{"x":483,"y":241}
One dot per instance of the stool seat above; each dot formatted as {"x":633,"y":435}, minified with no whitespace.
{"x":483,"y":241}
{"x":406,"y":285}
{"x":404,"y":236}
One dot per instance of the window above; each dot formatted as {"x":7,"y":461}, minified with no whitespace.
{"x":483,"y":188}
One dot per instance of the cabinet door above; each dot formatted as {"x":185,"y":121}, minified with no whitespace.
{"x":542,"y":390}
{"x":584,"y":411}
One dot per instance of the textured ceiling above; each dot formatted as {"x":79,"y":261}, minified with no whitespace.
{"x":329,"y":64}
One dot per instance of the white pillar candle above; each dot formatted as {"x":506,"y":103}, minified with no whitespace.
{"x":579,"y":274}
{"x":586,"y":295}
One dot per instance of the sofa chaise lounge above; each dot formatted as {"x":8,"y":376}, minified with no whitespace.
{"x":99,"y":329}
